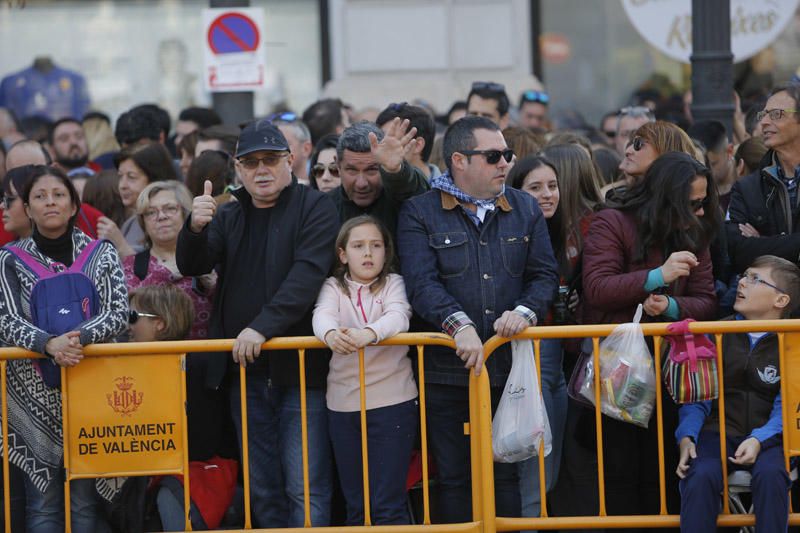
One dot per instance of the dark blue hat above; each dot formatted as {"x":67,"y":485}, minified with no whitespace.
{"x":261,"y":135}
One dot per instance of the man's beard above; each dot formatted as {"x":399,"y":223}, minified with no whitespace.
{"x":72,"y":162}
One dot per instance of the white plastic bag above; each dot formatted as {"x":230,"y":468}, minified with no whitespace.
{"x":521,"y":419}
{"x":627,"y":377}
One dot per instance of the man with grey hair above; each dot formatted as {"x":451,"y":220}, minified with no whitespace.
{"x":299,"y":139}
{"x":629,"y":119}
{"x":376,"y":178}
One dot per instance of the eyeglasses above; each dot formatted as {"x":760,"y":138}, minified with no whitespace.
{"x":636,"y":110}
{"x":492,"y":156}
{"x":134,"y":316}
{"x":752,"y":278}
{"x":251,"y":163}
{"x":488,"y":86}
{"x":638,"y":143}
{"x":168,"y":210}
{"x":696,"y":205}
{"x":538,"y":97}
{"x":318,"y":170}
{"x":774,"y":114}
{"x":8,"y":200}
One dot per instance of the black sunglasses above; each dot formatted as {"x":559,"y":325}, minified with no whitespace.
{"x":696,"y":205}
{"x":134,"y":315}
{"x":492,"y":156}
{"x":488,"y":86}
{"x":638,"y":143}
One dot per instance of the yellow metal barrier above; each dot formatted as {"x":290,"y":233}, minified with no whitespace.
{"x":479,"y":426}
{"x":301,"y":344}
{"x":602,"y":519}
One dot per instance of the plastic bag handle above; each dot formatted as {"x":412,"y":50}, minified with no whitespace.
{"x":637,"y":317}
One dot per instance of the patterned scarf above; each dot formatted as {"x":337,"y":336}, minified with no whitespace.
{"x":444,"y":182}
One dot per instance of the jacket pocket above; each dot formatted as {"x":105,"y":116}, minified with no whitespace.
{"x":514,"y":250}
{"x":452,"y":253}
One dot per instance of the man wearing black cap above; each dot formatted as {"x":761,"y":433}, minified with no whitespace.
{"x":272,"y":250}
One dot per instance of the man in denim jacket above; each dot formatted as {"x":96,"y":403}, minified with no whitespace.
{"x":477,"y":260}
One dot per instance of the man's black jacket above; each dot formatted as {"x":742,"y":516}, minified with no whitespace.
{"x":300,"y":247}
{"x":762,"y":200}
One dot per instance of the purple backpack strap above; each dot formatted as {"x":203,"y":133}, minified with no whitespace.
{"x":84,"y":256}
{"x":28,"y":260}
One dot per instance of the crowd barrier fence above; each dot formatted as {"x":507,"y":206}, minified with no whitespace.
{"x":125,"y":401}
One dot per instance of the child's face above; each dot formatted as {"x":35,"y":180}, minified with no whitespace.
{"x":758,"y":296}
{"x":145,"y":329}
{"x":364,"y":254}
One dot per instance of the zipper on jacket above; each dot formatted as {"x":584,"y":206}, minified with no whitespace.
{"x":361,"y":306}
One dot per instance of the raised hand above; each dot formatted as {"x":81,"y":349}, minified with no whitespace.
{"x":397,"y":143}
{"x":203,"y":209}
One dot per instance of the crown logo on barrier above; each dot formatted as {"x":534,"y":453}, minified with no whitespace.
{"x":125,"y":400}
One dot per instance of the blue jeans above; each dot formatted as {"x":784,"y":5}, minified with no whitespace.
{"x":45,"y":510}
{"x":390,"y":438}
{"x":447,"y":408}
{"x":276,"y":460}
{"x":554,"y":392}
{"x":170,"y":510}
{"x":700,"y":489}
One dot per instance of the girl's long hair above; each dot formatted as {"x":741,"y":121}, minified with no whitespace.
{"x":340,"y":269}
{"x":579,"y":192}
{"x":664,"y":217}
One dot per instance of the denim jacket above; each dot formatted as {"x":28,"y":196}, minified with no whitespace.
{"x":450,"y":265}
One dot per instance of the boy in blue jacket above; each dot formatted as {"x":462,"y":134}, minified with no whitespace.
{"x":769,"y":290}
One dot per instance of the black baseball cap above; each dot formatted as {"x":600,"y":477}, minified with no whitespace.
{"x":261,"y":135}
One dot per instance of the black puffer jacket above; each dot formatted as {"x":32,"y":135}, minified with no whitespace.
{"x":761,"y":200}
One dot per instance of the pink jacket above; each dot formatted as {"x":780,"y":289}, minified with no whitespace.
{"x":387,"y":369}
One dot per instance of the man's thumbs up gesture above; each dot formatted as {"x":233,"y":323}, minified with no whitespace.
{"x":203,"y":209}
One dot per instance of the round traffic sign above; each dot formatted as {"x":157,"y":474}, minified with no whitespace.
{"x":232,"y":33}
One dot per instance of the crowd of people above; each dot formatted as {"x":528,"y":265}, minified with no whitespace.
{"x":356,"y":226}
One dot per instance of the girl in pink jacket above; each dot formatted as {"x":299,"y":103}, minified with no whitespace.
{"x":360,"y":305}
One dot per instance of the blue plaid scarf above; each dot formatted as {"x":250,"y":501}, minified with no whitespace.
{"x":444,"y":182}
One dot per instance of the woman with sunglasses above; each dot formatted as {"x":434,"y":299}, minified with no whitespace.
{"x":137,"y":166}
{"x":650,"y":141}
{"x":162,"y":209}
{"x":652,"y":250}
{"x":52,"y":203}
{"x":324,"y":174}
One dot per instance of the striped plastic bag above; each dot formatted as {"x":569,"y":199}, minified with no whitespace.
{"x":690,"y":369}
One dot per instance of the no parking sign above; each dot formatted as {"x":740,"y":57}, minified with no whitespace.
{"x":234,"y":50}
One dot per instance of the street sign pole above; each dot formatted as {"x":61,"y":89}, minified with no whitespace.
{"x":712,"y":62}
{"x":234,"y":107}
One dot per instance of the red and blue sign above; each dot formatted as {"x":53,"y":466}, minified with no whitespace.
{"x":233,"y":33}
